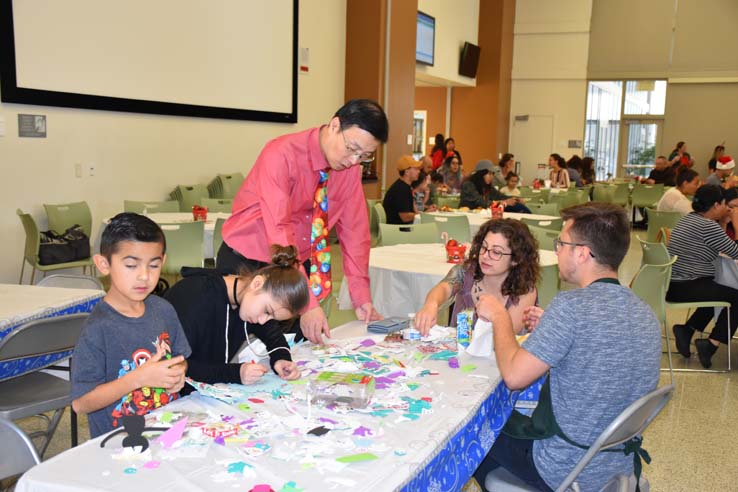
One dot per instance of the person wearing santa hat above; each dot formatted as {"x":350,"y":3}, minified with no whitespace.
{"x":723,"y":170}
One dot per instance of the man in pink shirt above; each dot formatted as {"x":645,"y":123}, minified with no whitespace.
{"x":275,"y":204}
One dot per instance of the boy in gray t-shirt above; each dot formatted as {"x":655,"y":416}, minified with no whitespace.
{"x":123,"y":363}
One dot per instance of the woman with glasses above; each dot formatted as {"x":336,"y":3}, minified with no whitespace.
{"x":503,"y":262}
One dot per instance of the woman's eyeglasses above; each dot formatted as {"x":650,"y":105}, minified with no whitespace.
{"x":492,"y":253}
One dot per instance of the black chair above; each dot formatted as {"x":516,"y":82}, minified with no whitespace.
{"x":38,"y":392}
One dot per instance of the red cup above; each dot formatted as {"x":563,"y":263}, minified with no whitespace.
{"x":497,"y":209}
{"x":455,"y":254}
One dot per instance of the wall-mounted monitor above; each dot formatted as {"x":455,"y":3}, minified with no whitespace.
{"x":425,"y":39}
{"x":469,"y":60}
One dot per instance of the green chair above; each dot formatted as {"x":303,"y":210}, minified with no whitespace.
{"x":456,"y":226}
{"x":391,"y":234}
{"x":548,"y":285}
{"x":217,"y":238}
{"x":622,"y":194}
{"x":381,"y":214}
{"x":564,"y":199}
{"x":545,"y":237}
{"x":150,"y":207}
{"x":30,"y":252}
{"x":650,"y":285}
{"x":448,"y":201}
{"x":646,"y":195}
{"x":551,"y":224}
{"x":184,"y":246}
{"x":217,"y":205}
{"x":603,"y":193}
{"x":544,"y":208}
{"x":657,"y":220}
{"x":187,"y":196}
{"x":531,"y":195}
{"x":373,"y":221}
{"x":653,"y":253}
{"x":65,"y":215}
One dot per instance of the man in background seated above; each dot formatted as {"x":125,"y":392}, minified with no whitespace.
{"x":601,"y":344}
{"x":398,"y":201}
{"x":724,"y":168}
{"x":662,"y":173}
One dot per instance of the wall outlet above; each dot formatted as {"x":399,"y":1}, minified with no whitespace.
{"x":431,"y":140}
{"x":410,"y":139}
{"x":77,"y":169}
{"x":92,"y":169}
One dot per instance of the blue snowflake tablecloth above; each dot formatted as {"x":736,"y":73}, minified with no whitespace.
{"x":20,"y":304}
{"x":456,"y":462}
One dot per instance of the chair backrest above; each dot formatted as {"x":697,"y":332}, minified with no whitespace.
{"x":69,"y":281}
{"x":603,"y":193}
{"x":20,"y":454}
{"x":230,"y":184}
{"x":43,"y":336}
{"x":184,"y":245}
{"x":543,"y":208}
{"x":550,"y":224}
{"x":448,"y":201}
{"x":646,"y":195}
{"x":545,"y":237}
{"x":150,"y":206}
{"x":381,"y":214}
{"x":564,"y":199}
{"x":664,"y":235}
{"x":622,"y":194}
{"x":217,"y":205}
{"x":548,"y":285}
{"x":630,"y":423}
{"x":654,"y":253}
{"x":650,"y":285}
{"x":33,"y":241}
{"x":187,"y":196}
{"x":657,"y":220}
{"x":390,"y":234}
{"x":373,"y":221}
{"x":218,"y":236}
{"x":456,"y":226}
{"x":65,"y":215}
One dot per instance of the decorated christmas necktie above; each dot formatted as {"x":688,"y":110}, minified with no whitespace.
{"x":320,"y":254}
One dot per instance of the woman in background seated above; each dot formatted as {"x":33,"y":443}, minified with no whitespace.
{"x":588,"y":171}
{"x":559,"y":176}
{"x":505,"y":167}
{"x":503,"y":262}
{"x":697,"y":240}
{"x":477,"y":191}
{"x":218,"y":312}
{"x":675,"y":199}
{"x":451,"y":172}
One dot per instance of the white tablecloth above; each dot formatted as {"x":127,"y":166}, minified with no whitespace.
{"x":476,"y":219}
{"x":404,"y":448}
{"x":401,"y":276}
{"x":20,"y":304}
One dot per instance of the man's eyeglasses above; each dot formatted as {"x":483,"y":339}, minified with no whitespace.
{"x":558,"y":243}
{"x":364,"y":157}
{"x":493,"y":253}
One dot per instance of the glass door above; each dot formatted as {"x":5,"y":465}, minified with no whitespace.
{"x":640,"y":139}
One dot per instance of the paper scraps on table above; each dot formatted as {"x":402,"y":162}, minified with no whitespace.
{"x":262,"y":487}
{"x":173,"y":434}
{"x":237,"y":393}
{"x":357,"y":458}
{"x":468,"y":368}
{"x":443,"y":355}
{"x":453,"y":363}
{"x":291,"y":487}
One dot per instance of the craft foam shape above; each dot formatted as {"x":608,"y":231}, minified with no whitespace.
{"x":174,"y":434}
{"x":357,"y":458}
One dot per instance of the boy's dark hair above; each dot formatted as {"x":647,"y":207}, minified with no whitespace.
{"x":128,"y":226}
{"x":511,"y":175}
{"x":436,"y":177}
{"x":604,"y":227}
{"x":367,"y":115}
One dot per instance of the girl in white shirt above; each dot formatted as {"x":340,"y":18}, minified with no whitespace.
{"x":675,"y":199}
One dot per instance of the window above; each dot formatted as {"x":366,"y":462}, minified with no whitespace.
{"x":623,"y":126}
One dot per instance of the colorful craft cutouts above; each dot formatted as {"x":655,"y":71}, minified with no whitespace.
{"x":238,"y":393}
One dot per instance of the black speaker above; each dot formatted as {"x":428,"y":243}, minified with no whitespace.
{"x":469,"y":60}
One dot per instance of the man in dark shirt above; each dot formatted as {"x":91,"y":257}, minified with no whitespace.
{"x":662,"y":173}
{"x":398,"y":201}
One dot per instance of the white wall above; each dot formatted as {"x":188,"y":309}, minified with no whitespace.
{"x":142,"y":157}
{"x":456,"y":22}
{"x":549,"y":79}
